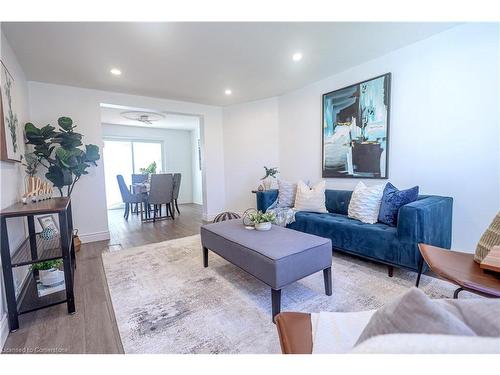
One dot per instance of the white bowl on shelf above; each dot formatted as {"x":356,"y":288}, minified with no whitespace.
{"x":51,"y":277}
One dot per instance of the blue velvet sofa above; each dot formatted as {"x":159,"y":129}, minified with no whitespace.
{"x":427,"y":220}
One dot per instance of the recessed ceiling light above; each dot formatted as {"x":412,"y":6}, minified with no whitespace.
{"x":116,"y":72}
{"x":228,"y":92}
{"x":297,"y":56}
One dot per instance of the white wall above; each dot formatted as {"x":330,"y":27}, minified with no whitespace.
{"x":48,"y":102}
{"x":251,"y":141}
{"x":11,"y":175}
{"x":444,"y":131}
{"x":196,"y":167}
{"x":176,"y":151}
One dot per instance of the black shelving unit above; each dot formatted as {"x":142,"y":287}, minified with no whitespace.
{"x":34,"y":249}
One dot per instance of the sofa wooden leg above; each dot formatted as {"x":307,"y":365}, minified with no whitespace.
{"x":390,"y":270}
{"x":276,"y":302}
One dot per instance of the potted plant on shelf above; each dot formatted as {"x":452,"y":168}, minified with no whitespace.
{"x":48,"y":272}
{"x":267,"y":180}
{"x":60,"y":152}
{"x":262,"y":221}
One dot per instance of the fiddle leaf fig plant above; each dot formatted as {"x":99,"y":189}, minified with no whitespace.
{"x":61,"y":153}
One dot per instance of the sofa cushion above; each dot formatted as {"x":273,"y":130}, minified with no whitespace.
{"x":392,"y":200}
{"x":365,"y":203}
{"x":370,"y":240}
{"x":310,"y":199}
{"x":286,"y":194}
{"x":489,"y":239}
{"x":337,"y":201}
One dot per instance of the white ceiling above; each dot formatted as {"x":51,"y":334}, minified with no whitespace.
{"x":198,"y":61}
{"x":112,"y":114}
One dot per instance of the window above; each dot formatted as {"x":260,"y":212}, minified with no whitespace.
{"x":126,"y":157}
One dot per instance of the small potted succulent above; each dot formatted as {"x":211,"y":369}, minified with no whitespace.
{"x":262,"y":221}
{"x":48,"y":272}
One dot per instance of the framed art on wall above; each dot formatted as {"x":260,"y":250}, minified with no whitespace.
{"x":355,"y":130}
{"x":11,"y":137}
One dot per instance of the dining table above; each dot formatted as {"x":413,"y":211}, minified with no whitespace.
{"x":141,"y":187}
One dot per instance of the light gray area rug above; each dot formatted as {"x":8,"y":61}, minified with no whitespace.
{"x":166,"y":302}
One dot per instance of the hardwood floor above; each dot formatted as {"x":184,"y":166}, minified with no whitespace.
{"x":93,"y":328}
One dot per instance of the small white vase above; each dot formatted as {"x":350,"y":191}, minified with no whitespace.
{"x":263,"y":226}
{"x":51,"y":277}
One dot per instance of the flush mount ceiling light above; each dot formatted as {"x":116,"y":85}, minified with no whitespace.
{"x":228,"y":92}
{"x":142,"y":116}
{"x":297,"y":56}
{"x":116,"y":72}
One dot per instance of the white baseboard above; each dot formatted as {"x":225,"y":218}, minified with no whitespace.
{"x":4,"y":330}
{"x":93,"y":237}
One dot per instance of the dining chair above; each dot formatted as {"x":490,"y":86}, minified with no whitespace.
{"x":127,"y":197}
{"x":177,"y":187}
{"x":137,"y":179}
{"x":161,"y":192}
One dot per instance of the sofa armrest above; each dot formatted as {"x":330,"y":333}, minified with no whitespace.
{"x":265,"y":199}
{"x":427,"y":220}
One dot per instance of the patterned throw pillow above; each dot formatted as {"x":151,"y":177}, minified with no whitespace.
{"x":286,"y":194}
{"x":365,"y":203}
{"x":489,"y":239}
{"x":392,"y":200}
{"x":310,"y":199}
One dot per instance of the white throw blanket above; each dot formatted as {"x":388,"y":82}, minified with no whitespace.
{"x":337,"y":332}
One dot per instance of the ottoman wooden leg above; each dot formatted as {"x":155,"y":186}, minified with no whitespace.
{"x":205,"y":257}
{"x":327,"y":276}
{"x":276,"y":302}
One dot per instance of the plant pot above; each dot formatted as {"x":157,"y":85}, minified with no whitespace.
{"x":51,"y":277}
{"x":77,"y":243}
{"x":263,"y":226}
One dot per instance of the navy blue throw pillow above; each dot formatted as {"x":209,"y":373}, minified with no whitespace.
{"x":392,"y":200}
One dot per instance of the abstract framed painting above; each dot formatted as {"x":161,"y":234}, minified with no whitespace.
{"x":11,"y":136}
{"x":355,"y":130}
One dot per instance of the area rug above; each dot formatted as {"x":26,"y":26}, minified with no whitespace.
{"x":166,"y":302}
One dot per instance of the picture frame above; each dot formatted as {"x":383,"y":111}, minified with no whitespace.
{"x":355,"y":130}
{"x":11,"y":137}
{"x":48,"y":221}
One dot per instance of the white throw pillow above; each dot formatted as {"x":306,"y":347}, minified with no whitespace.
{"x":310,"y":199}
{"x":365,"y":203}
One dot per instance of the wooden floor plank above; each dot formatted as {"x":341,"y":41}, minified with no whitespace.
{"x":93,"y":328}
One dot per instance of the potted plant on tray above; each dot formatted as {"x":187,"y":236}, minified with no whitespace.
{"x":262,"y":221}
{"x":48,"y":271}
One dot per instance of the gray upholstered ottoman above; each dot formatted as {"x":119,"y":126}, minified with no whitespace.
{"x":277,"y":257}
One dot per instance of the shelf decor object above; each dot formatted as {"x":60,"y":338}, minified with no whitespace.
{"x":10,"y":131}
{"x":35,"y":249}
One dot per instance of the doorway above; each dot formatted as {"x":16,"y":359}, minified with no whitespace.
{"x":126,"y":157}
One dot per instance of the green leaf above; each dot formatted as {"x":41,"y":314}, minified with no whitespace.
{"x":58,"y":176}
{"x":47,"y":131}
{"x":92,"y":153}
{"x":31,"y":129}
{"x":68,"y":140}
{"x":66,"y":123}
